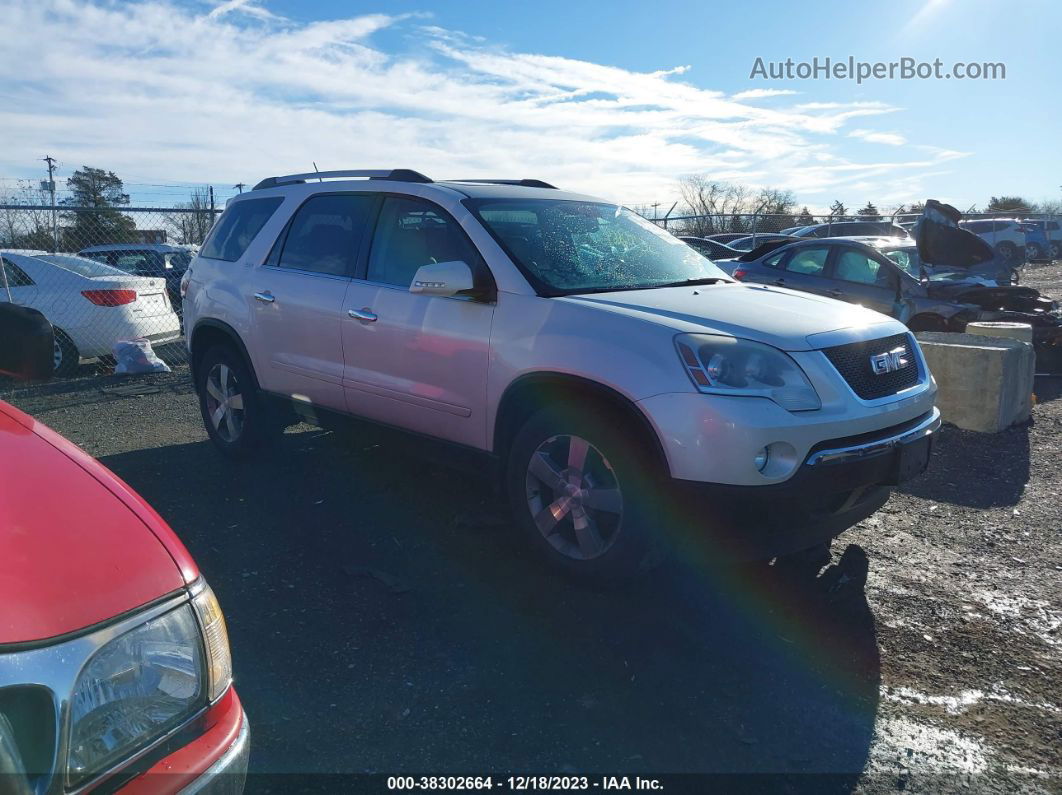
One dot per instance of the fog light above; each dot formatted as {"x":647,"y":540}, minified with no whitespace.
{"x":761,"y":459}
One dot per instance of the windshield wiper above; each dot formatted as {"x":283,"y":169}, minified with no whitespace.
{"x":694,"y":282}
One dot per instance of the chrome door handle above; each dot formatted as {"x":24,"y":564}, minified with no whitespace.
{"x":362,"y":314}
{"x":265,"y":298}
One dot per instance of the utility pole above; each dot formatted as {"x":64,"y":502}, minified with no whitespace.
{"x":211,"y":189}
{"x":51,"y":189}
{"x":240,"y":186}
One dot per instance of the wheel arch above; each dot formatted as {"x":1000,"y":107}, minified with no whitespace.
{"x":533,"y":391}
{"x":210,"y":332}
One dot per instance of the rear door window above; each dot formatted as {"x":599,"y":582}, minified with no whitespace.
{"x":237,"y":227}
{"x":809,"y":261}
{"x":325,"y":234}
{"x":855,"y":266}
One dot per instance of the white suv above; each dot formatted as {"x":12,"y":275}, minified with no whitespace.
{"x":625,"y":391}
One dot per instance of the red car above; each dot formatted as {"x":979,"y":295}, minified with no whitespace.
{"x":114,"y":657}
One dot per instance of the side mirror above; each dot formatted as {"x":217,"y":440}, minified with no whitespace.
{"x":443,"y":278}
{"x":27,"y":349}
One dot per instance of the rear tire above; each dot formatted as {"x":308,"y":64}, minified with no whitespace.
{"x":581,"y":490}
{"x":67,"y":358}
{"x":233,"y":410}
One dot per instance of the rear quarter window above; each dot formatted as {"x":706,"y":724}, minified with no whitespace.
{"x":237,"y":227}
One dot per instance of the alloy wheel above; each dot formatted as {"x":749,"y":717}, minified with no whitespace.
{"x":574,"y":497}
{"x":57,"y":354}
{"x":224,"y":402}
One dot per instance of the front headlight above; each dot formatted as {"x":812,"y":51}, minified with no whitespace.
{"x":145,"y":682}
{"x":732,"y":366}
{"x":134,"y":689}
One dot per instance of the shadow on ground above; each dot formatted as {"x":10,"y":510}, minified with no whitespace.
{"x":382,"y":621}
{"x":978,"y":470}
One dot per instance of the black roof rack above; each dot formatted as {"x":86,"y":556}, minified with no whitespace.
{"x":396,"y":174}
{"x":525,"y":183}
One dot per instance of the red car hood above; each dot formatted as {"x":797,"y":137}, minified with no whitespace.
{"x":77,"y":545}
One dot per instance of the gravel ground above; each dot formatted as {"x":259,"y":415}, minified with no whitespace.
{"x":382,"y":620}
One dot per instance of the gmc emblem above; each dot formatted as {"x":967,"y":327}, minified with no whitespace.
{"x":888,"y":362}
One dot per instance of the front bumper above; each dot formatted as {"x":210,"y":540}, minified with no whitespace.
{"x":840,"y":483}
{"x":228,"y":774}
{"x":715,"y":438}
{"x":214,"y":762}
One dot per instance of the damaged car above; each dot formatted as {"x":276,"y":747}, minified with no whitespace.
{"x":896,"y":277}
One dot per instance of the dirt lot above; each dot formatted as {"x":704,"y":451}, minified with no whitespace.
{"x":382,"y":620}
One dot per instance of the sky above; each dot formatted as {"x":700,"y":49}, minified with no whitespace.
{"x":617,"y":99}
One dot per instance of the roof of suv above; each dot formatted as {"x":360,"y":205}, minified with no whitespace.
{"x":478,"y":190}
{"x":472,"y":188}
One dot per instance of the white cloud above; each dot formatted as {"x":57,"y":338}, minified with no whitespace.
{"x":761,"y":93}
{"x":892,"y":139}
{"x":249,"y":7}
{"x":153,"y":89}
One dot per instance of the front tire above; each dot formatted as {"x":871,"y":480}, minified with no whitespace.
{"x":580,"y":489}
{"x":1007,"y":251}
{"x":231,"y":404}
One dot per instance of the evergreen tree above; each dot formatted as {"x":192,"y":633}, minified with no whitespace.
{"x":1008,"y":205}
{"x":805,"y":218}
{"x":869,"y":213}
{"x":97,"y":194}
{"x":838,"y":212}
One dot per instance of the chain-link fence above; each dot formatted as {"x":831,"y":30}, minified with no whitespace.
{"x":1017,"y":238}
{"x":104,"y":274}
{"x":101,"y":275}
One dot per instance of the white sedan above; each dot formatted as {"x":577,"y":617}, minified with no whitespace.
{"x":90,"y":305}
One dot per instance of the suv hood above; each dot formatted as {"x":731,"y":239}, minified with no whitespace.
{"x":76,"y":548}
{"x":776,"y":316}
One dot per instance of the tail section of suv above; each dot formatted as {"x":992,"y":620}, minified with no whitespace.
{"x":628,"y":392}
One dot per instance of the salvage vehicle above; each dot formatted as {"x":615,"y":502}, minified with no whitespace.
{"x":624,"y":391}
{"x":750,"y":242}
{"x":1051,"y":230}
{"x":115,"y":672}
{"x":852,"y":229}
{"x":889,"y":275}
{"x":712,"y":249}
{"x":151,"y":259}
{"x":90,"y":305}
{"x":1012,"y":238}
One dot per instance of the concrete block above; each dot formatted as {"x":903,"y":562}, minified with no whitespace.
{"x":999,"y":328}
{"x":985,"y":383}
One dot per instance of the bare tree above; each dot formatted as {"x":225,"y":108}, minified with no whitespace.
{"x":716,"y":206}
{"x":28,"y":226}
{"x":192,"y":227}
{"x":1048,"y":207}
